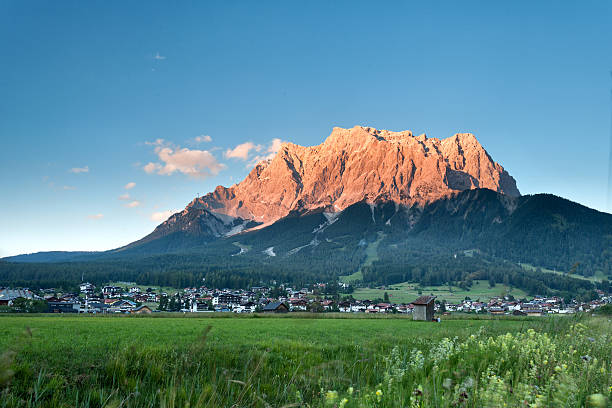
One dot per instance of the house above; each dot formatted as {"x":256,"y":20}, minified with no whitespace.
{"x":199,"y":306}
{"x":121,"y":306}
{"x":62,"y":307}
{"x":247,"y":307}
{"x":226,"y":299}
{"x":423,"y":308}
{"x":344,"y":307}
{"x":86,"y":288}
{"x":144,"y":309}
{"x":534,"y":312}
{"x":275,"y":307}
{"x":299,"y":304}
{"x":111,"y":291}
{"x":8,"y":295}
{"x":404,"y":309}
{"x":327,"y":304}
{"x":497,"y":310}
{"x":96,"y":307}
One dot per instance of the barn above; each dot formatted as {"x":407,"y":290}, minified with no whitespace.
{"x":423,"y":308}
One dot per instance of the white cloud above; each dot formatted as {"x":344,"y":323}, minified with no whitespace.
{"x":273,"y":148}
{"x":151,"y":167}
{"x":124,"y":197}
{"x":78,"y":170}
{"x":130,"y":185}
{"x":95,"y":216}
{"x":156,"y":142}
{"x":162,"y":216}
{"x":203,"y":138}
{"x":242,"y":151}
{"x":133,"y":204}
{"x":194,"y":163}
{"x":69,"y":188}
{"x":159,"y":57}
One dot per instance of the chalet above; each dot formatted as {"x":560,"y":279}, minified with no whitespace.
{"x":404,"y":309}
{"x":298,"y":304}
{"x":534,"y":312}
{"x":247,"y":307}
{"x":275,"y":307}
{"x":497,"y":310}
{"x":358,"y":307}
{"x":384,"y":308}
{"x":8,"y":295}
{"x":111,"y":291}
{"x":518,"y":312}
{"x":144,"y":309}
{"x":344,"y":306}
{"x":226,"y":299}
{"x":199,"y":305}
{"x":121,"y":306}
{"x":62,"y":307}
{"x":327,"y":304}
{"x":86,"y":288}
{"x":96,"y":307}
{"x":423,"y":308}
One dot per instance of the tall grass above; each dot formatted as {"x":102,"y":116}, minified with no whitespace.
{"x":175,"y":362}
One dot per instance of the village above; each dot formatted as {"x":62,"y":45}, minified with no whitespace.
{"x":138,"y":300}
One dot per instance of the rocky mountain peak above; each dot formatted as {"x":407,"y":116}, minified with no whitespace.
{"x":357,"y":164}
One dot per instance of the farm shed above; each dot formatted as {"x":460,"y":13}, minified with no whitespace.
{"x":423,"y":308}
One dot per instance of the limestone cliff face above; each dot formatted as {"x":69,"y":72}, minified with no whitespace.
{"x":359,"y":164}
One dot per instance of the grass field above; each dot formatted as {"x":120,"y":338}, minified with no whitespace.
{"x":172,"y":361}
{"x":599,"y":275}
{"x":408,"y":292}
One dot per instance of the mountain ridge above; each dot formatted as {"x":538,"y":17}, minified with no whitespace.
{"x":356,"y":164}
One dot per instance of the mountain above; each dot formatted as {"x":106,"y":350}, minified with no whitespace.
{"x":352,"y":165}
{"x":386,"y":206}
{"x":359,"y":164}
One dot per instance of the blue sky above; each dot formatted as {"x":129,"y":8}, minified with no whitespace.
{"x":96,"y":93}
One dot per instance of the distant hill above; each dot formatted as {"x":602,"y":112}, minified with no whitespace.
{"x":51,"y":256}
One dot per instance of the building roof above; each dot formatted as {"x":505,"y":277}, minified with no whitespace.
{"x":273,"y":305}
{"x":424,"y":300}
{"x":11,"y":294}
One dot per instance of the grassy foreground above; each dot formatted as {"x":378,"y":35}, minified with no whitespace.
{"x":79,"y":361}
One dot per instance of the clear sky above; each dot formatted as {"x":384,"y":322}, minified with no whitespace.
{"x":113,"y":113}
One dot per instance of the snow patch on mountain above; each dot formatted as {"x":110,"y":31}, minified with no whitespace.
{"x":330,"y":219}
{"x":269,"y":251}
{"x":312,"y":243}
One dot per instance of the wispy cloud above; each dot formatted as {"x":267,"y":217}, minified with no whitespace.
{"x":242,"y":151}
{"x":124,"y":197}
{"x":159,"y":57}
{"x":78,"y":170}
{"x":133,"y":204}
{"x":95,"y":216}
{"x":254,"y":153}
{"x":202,"y":138}
{"x":69,"y":188}
{"x":162,"y":216}
{"x":130,"y":185}
{"x":192,"y":162}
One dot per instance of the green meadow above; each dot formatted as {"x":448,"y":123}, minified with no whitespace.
{"x":303,"y":361}
{"x":408,"y":292}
